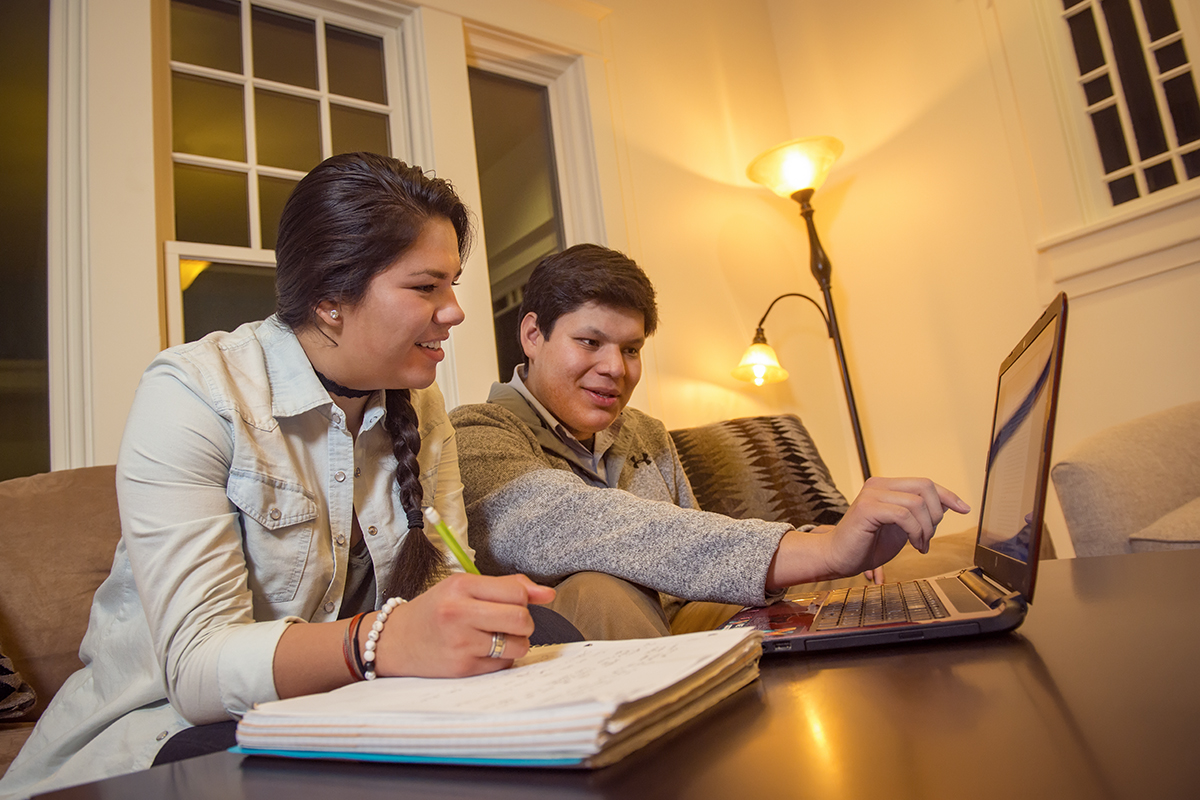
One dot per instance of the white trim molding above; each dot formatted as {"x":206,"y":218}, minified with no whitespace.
{"x":69,"y":312}
{"x":1149,"y":241}
{"x":564,"y":76}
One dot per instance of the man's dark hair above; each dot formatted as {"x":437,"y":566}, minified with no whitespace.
{"x":587,"y":273}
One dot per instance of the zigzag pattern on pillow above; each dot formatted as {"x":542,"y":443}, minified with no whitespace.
{"x":16,"y":696}
{"x":762,"y":468}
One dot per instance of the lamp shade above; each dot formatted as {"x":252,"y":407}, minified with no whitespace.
{"x":760,"y":365}
{"x":799,"y":164}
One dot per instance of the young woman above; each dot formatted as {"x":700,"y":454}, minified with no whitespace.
{"x":271,"y":482}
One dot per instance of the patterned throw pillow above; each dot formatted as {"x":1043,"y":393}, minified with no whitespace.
{"x":761,"y":468}
{"x":16,"y":696}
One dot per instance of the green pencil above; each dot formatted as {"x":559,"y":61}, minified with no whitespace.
{"x":435,"y":519}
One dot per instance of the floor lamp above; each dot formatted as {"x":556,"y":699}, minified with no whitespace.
{"x":796,"y":169}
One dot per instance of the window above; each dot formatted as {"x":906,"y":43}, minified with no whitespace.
{"x":1098,"y":100}
{"x":1140,"y":93}
{"x":24,"y":372}
{"x":518,"y":182}
{"x":114,"y":259}
{"x":259,"y":96}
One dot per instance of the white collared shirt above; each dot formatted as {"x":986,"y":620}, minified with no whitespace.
{"x":237,"y":482}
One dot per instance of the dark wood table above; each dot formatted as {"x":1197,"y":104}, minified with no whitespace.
{"x":1097,"y":695}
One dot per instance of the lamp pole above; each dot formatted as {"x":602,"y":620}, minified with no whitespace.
{"x":822,"y":270}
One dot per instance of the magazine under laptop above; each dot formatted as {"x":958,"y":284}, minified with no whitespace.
{"x":993,"y":595}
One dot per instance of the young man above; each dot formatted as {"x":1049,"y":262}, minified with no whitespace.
{"x":565,"y":484}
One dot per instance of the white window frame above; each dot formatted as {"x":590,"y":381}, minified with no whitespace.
{"x":175,"y":252}
{"x":399,"y":124}
{"x":561,"y":51}
{"x":396,"y":109}
{"x":1118,"y":100}
{"x":565,"y":74}
{"x":107,"y":303}
{"x":562,"y":74}
{"x":1084,"y":242}
{"x":580,"y":209}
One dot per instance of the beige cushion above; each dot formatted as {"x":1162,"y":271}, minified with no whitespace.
{"x":58,"y":532}
{"x":1123,"y":479}
{"x":1176,"y":530}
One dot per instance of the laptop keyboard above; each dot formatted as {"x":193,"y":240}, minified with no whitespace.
{"x":909,"y":601}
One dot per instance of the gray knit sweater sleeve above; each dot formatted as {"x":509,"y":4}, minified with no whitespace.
{"x":529,"y":512}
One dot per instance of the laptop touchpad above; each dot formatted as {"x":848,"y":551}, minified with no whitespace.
{"x":963,"y":599}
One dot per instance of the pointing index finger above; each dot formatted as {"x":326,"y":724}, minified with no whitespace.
{"x":952,"y":501}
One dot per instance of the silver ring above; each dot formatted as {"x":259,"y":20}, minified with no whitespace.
{"x":497,"y":645}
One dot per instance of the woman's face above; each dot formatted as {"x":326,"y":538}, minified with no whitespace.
{"x":392,"y":338}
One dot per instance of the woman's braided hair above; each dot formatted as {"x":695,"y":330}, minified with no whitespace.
{"x":344,"y":223}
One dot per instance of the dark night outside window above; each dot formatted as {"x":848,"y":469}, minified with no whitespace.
{"x":521,"y":212}
{"x":24,"y":346}
{"x":1139,"y":91}
{"x":248,"y":123}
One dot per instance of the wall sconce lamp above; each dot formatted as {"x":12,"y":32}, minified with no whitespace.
{"x":796,"y":169}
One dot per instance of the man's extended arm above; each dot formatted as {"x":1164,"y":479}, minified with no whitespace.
{"x":527,"y":515}
{"x":887,"y":514}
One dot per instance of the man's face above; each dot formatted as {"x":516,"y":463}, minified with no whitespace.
{"x":585,"y":372}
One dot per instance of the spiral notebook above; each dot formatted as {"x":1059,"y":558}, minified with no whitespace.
{"x":582,"y":704}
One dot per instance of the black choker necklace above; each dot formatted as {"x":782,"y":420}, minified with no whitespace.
{"x":339,"y":390}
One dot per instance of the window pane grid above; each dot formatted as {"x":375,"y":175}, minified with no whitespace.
{"x":184,"y":68}
{"x":1163,"y":110}
{"x":254,"y":169}
{"x":1175,"y":87}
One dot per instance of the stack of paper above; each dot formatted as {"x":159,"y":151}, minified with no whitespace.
{"x":584,"y":703}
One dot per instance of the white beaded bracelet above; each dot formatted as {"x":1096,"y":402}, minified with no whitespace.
{"x":373,"y":635}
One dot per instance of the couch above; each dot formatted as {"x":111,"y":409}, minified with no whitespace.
{"x":59,"y":530}
{"x":1134,"y":487}
{"x":58,"y":533}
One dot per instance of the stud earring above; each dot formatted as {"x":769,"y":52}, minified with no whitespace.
{"x":334,"y":314}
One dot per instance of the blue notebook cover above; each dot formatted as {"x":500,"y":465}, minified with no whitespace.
{"x":409,"y":759}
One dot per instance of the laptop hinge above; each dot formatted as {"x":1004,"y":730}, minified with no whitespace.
{"x":982,"y":589}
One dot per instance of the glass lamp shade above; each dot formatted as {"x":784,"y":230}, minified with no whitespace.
{"x":760,"y":365}
{"x":799,"y":164}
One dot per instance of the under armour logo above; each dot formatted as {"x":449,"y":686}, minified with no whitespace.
{"x":643,"y":459}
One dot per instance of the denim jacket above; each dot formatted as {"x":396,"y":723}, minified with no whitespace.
{"x":237,"y":481}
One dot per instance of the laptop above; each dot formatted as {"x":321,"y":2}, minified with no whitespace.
{"x":993,"y":595}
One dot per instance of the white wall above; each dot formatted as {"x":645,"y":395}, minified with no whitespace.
{"x":697,"y":93}
{"x":104,"y":287}
{"x":906,"y":216}
{"x":124,"y":282}
{"x":937,"y":262}
{"x":935,"y":269}
{"x":926,"y":219}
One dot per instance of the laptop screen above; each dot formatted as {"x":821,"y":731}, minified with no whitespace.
{"x":1018,"y":458}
